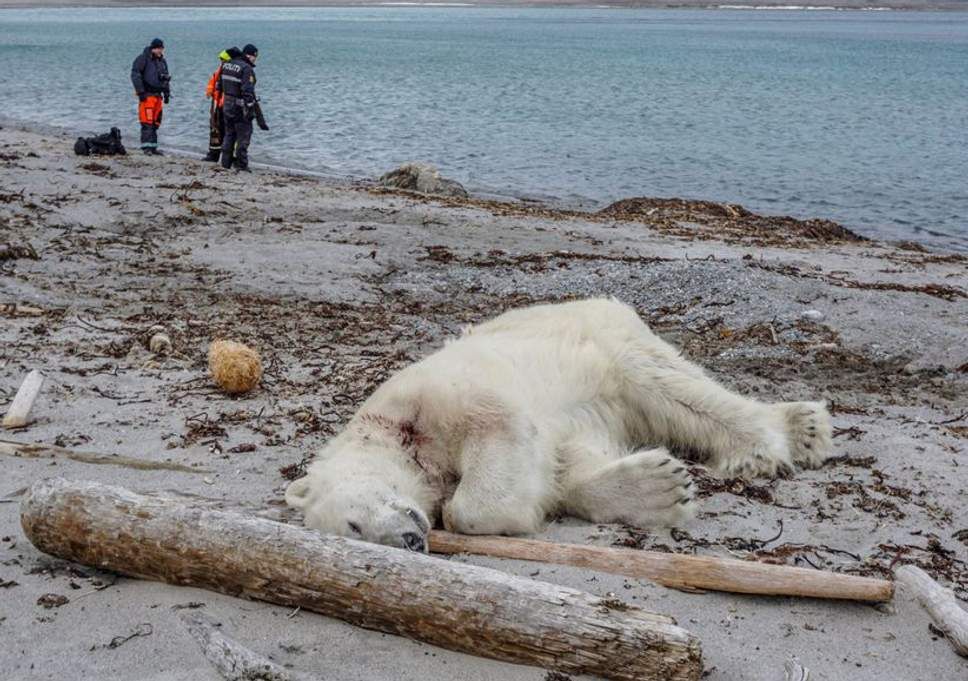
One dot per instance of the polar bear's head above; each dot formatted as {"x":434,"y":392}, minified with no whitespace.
{"x":375,"y":506}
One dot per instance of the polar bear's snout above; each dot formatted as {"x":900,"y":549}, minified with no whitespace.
{"x":414,"y":525}
{"x":414,"y":542}
{"x":390,"y":523}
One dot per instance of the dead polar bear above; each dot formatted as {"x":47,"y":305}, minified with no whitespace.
{"x":542,"y":410}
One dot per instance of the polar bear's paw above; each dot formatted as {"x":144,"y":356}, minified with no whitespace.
{"x":809,"y":432}
{"x":647,"y":489}
{"x":662,"y":492}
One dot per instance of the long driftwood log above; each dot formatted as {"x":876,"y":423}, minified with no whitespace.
{"x":675,"y":570}
{"x":460,"y":607}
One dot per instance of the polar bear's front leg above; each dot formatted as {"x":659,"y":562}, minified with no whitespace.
{"x":646,"y":489}
{"x":506,"y":482}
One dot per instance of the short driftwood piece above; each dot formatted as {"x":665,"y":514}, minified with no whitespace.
{"x":232,"y":660}
{"x":675,"y":570}
{"x":460,"y":607}
{"x":14,"y":251}
{"x":940,"y":603}
{"x":18,"y":310}
{"x":18,"y":415}
{"x":794,"y":671}
{"x":42,"y":451}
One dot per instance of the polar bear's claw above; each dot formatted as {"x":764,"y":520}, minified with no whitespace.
{"x":756,"y":462}
{"x":809,"y":432}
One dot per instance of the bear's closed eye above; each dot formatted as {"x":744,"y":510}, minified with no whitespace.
{"x":354,"y":527}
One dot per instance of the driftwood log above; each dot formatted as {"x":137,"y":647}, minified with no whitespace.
{"x":460,"y":607}
{"x":675,"y":570}
{"x":941,"y":604}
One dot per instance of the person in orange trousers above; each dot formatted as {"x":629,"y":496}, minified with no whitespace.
{"x":151,"y":80}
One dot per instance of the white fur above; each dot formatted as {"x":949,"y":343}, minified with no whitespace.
{"x":544,"y":409}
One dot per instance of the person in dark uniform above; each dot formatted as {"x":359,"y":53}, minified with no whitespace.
{"x":237,"y":86}
{"x":151,"y":80}
{"x":216,"y":121}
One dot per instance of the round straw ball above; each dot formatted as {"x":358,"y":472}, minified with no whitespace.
{"x":235,"y":367}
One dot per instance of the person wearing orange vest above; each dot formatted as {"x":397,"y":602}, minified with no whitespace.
{"x":216,"y":117}
{"x":151,"y":80}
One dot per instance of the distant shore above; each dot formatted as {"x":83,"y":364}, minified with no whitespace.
{"x":778,"y":5}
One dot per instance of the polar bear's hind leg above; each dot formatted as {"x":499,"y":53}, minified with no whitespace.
{"x":681,"y":407}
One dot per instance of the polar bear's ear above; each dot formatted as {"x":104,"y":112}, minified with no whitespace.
{"x":297,"y":494}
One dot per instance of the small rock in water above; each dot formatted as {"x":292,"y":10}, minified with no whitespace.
{"x":812,"y":315}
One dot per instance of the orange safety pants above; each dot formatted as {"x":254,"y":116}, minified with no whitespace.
{"x":149,"y":110}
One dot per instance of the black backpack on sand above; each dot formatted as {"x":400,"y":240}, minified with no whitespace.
{"x":108,"y":144}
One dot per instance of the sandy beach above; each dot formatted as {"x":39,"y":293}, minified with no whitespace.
{"x":338,"y":286}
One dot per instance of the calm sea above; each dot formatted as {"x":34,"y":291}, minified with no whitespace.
{"x":861,"y":117}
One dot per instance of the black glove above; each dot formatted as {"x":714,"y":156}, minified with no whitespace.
{"x":166,"y":97}
{"x":262,"y":125}
{"x":142,"y":96}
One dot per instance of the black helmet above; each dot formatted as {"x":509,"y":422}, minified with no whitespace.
{"x":250,"y":50}
{"x":157,"y":42}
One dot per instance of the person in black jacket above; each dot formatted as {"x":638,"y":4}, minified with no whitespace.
{"x":216,"y":119}
{"x":151,"y":80}
{"x":236,"y":84}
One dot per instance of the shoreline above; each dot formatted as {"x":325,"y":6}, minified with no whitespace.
{"x":524,"y":203}
{"x":340,"y":287}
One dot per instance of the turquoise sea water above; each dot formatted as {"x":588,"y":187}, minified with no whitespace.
{"x":861,"y":117}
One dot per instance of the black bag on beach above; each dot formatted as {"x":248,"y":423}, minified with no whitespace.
{"x":108,"y":144}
